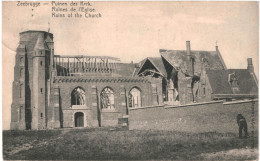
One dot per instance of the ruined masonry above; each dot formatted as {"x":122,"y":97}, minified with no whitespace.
{"x":59,"y":91}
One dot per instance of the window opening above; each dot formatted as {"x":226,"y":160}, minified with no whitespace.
{"x":78,"y":96}
{"x":21,"y":91}
{"x":107,"y":99}
{"x":134,"y":98}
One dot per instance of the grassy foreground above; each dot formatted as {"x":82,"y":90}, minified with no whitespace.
{"x":121,"y":144}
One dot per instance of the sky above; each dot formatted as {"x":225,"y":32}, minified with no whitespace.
{"x":133,"y":31}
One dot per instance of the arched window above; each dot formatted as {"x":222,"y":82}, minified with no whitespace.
{"x":135,"y":97}
{"x":78,"y":96}
{"x":107,"y":99}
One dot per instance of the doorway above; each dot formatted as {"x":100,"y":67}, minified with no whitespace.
{"x":79,"y":119}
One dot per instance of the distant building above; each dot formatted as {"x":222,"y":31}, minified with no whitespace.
{"x":55,"y":91}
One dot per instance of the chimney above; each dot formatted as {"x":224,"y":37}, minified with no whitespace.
{"x":188,"y":50}
{"x":250,"y":66}
{"x":217,"y":48}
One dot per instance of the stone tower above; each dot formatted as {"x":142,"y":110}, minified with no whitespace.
{"x":31,"y":77}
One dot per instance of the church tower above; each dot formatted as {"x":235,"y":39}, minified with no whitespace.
{"x":18,"y":105}
{"x":30,"y":86}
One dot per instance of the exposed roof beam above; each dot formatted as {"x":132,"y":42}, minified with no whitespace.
{"x":84,"y":56}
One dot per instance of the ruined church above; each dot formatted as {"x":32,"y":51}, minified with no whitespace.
{"x":67,"y":91}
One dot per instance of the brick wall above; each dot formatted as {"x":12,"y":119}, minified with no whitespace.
{"x":23,"y":114}
{"x":200,"y":117}
{"x":92,"y":93}
{"x":68,"y":117}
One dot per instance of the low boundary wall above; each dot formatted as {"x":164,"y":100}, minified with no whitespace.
{"x":214,"y":116}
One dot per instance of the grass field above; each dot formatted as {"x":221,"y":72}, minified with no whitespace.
{"x":121,"y":144}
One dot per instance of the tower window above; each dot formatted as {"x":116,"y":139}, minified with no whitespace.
{"x":41,"y":115}
{"x":21,"y":73}
{"x":21,"y":91}
{"x":21,"y":60}
{"x":41,"y":90}
{"x":204,"y":91}
{"x":20,"y":112}
{"x":41,"y":63}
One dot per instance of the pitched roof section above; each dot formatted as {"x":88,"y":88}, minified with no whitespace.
{"x":246,"y":81}
{"x":158,"y":63}
{"x":174,"y":57}
{"x":177,"y":57}
{"x":218,"y":80}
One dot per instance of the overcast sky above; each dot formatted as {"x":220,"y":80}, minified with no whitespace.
{"x":132,"y":31}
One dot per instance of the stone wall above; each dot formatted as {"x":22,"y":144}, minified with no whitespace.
{"x":199,"y":117}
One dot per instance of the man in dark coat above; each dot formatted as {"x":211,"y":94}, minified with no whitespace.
{"x":241,"y":121}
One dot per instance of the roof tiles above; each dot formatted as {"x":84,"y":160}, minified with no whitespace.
{"x":219,"y":81}
{"x":177,"y":57}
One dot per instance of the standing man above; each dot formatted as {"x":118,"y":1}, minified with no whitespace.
{"x":241,"y":121}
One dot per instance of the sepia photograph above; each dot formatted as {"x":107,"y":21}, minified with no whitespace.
{"x":121,"y":80}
